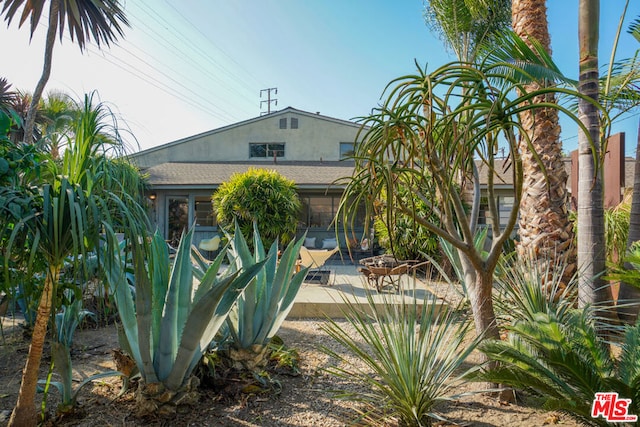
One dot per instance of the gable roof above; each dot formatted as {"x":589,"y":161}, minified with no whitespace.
{"x":282,"y":112}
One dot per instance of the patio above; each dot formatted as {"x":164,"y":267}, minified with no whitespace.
{"x":345,"y":281}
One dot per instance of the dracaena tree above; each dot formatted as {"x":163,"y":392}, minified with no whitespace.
{"x":63,"y":219}
{"x":429,"y":128}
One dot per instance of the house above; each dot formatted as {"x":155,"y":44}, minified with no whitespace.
{"x":308,"y":148}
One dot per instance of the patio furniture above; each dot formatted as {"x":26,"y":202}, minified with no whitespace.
{"x":315,"y":260}
{"x":385,"y":270}
{"x":210,"y":245}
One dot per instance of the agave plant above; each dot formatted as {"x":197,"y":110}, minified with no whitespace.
{"x":169,"y":324}
{"x":265,"y":303}
{"x":566,"y":362}
{"x":67,"y":321}
{"x":413,"y":352}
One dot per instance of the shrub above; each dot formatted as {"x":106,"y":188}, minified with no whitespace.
{"x":261,"y":196}
{"x":402,"y":236}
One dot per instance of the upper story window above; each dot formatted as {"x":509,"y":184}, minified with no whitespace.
{"x":294,"y":123}
{"x":283,"y":123}
{"x":266,"y":150}
{"x":346,"y":150}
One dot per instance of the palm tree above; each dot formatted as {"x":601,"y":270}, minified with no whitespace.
{"x":546,"y":234}
{"x":7,"y":95}
{"x":57,"y":110}
{"x":64,"y":220}
{"x":627,"y":292}
{"x":464,"y":25}
{"x":97,"y":20}
{"x":591,"y":254}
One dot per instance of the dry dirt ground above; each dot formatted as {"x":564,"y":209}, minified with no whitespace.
{"x":304,"y":400}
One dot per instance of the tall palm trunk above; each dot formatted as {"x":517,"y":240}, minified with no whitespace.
{"x":546,"y":234}
{"x":30,"y":122}
{"x":628,"y":293}
{"x":591,"y":246}
{"x":25,"y":413}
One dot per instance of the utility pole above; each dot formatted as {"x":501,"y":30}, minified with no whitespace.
{"x":269,"y":99}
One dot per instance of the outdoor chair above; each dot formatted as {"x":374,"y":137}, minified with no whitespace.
{"x":315,"y":259}
{"x":210,"y":245}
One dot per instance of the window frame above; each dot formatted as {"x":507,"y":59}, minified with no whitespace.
{"x":342,"y":153}
{"x":269,"y":148}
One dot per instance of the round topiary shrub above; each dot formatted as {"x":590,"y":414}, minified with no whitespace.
{"x":259,"y":195}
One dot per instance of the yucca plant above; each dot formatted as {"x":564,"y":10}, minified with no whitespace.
{"x":265,"y":302}
{"x":525,"y":286}
{"x":67,"y":321}
{"x":169,"y":324}
{"x":413,"y":353}
{"x":566,"y":362}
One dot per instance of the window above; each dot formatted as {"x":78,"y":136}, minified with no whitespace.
{"x":283,"y":123}
{"x":346,"y":150}
{"x":204,"y":212}
{"x":504,"y":204}
{"x":294,"y":123}
{"x":266,"y":150}
{"x":319,"y":211}
{"x":177,"y":218}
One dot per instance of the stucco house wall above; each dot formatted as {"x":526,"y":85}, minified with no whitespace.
{"x":186,"y":172}
{"x":316,"y":138}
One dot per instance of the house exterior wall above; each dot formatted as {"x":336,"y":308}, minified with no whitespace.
{"x":316,"y":138}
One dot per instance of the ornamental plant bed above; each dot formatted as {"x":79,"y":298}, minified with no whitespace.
{"x":302,"y":400}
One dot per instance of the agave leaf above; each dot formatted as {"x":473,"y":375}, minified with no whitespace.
{"x":115,"y":274}
{"x":62,"y":362}
{"x":209,"y":274}
{"x":159,"y":270}
{"x":205,"y":319}
{"x":143,"y":312}
{"x":72,"y":400}
{"x":177,"y":306}
{"x":94,"y":377}
{"x":284,"y":287}
{"x":285,"y":305}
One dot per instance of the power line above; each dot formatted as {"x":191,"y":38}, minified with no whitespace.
{"x":189,"y":45}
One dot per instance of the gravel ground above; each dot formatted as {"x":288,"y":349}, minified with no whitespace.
{"x":304,"y":400}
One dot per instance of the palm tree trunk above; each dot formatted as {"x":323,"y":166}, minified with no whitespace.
{"x":629,"y":295}
{"x":46,"y":71}
{"x":25,"y":413}
{"x":546,"y":234}
{"x":591,"y":245}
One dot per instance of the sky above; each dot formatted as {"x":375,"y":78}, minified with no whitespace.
{"x":187,"y":67}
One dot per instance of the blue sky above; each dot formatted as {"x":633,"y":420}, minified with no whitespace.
{"x":191,"y":66}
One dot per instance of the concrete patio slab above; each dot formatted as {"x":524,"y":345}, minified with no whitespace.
{"x":315,"y":300}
